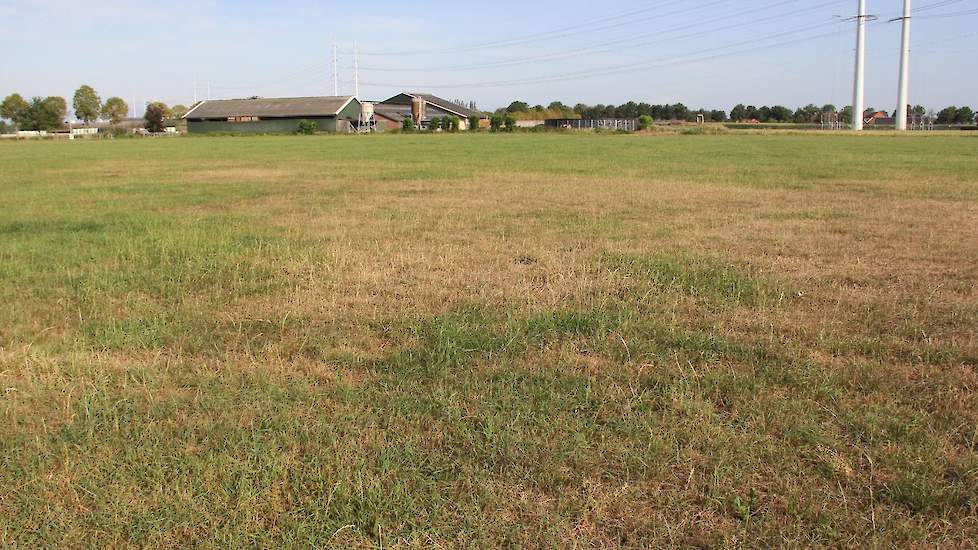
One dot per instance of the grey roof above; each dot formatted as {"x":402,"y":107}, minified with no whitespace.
{"x":398,"y":112}
{"x":445,"y":105}
{"x":286,"y":107}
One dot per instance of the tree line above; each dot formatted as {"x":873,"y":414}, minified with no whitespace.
{"x":809,"y":114}
{"x":49,"y":113}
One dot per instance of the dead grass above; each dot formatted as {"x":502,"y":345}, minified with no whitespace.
{"x":600,"y":341}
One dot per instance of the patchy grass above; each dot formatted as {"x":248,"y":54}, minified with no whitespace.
{"x":490,"y":340}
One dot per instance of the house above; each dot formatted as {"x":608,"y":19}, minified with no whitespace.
{"x":422,"y":108}
{"x":274,"y":115}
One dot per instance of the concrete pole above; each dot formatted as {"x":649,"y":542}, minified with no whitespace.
{"x":356,"y":71}
{"x":904,"y":92}
{"x":859,"y":94}
{"x":336,"y":76}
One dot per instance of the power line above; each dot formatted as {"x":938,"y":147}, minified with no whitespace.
{"x":604,"y":46}
{"x":621,"y":69}
{"x":591,"y":25}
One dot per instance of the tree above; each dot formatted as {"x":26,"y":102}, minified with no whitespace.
{"x":179,"y":111}
{"x":718,"y":115}
{"x":167,"y":112}
{"x":518,"y":107}
{"x":738,"y":113}
{"x":57,"y":108}
{"x":510,"y":123}
{"x":474,"y":122}
{"x":845,"y":115}
{"x":965,"y":116}
{"x":495,"y":123}
{"x":829,"y":108}
{"x":434,"y":124}
{"x":407,"y":126}
{"x":155,"y":114}
{"x":644,"y":122}
{"x":453,"y":124}
{"x":918,"y":110}
{"x":43,"y":115}
{"x":13,"y":108}
{"x":947,"y":115}
{"x":114,"y":110}
{"x":87,"y":103}
{"x":304,"y":128}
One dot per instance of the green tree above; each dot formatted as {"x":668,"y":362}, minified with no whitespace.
{"x":179,"y":111}
{"x":13,"y":108}
{"x":510,"y":123}
{"x":495,"y":123}
{"x":57,"y":108}
{"x":87,"y":104}
{"x":845,"y":115}
{"x":965,"y":116}
{"x":947,"y":115}
{"x":644,"y":122}
{"x":167,"y":112}
{"x":918,"y":110}
{"x":738,"y":113}
{"x":718,"y":115}
{"x":518,"y":107}
{"x":434,"y":124}
{"x":829,"y":108}
{"x":114,"y":110}
{"x":306,"y":128}
{"x":474,"y":123}
{"x":43,"y":115}
{"x":453,"y":124}
{"x":407,"y":126}
{"x":155,"y":115}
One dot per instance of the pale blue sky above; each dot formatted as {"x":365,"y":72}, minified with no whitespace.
{"x":709,"y":53}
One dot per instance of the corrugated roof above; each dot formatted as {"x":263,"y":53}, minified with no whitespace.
{"x":285,"y":107}
{"x":445,"y":105}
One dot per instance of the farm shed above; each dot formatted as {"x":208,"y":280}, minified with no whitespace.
{"x":273,"y":115}
{"x":403,"y":106}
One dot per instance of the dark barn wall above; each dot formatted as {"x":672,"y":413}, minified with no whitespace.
{"x":266,"y":126}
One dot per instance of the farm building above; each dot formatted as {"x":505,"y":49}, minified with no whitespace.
{"x":273,"y":115}
{"x":422,"y":108}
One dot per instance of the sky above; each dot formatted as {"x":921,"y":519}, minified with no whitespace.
{"x":704,"y":53}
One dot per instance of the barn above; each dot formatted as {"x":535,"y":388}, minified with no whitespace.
{"x":406,"y":106}
{"x":273,"y":115}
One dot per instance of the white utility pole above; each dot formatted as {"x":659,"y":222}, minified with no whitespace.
{"x":904,"y":92}
{"x":356,"y":72}
{"x":336,"y":74}
{"x":859,"y":94}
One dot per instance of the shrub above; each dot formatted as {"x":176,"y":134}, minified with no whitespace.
{"x":407,"y":126}
{"x":495,"y":123}
{"x":644,"y":122}
{"x":434,"y":124}
{"x":306,"y":128}
{"x":474,"y":123}
{"x":510,"y":123}
{"x":454,"y":123}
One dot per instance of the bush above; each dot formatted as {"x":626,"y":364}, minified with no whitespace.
{"x":306,"y":128}
{"x":474,"y":123}
{"x":644,"y":122}
{"x":510,"y":123}
{"x":407,"y":126}
{"x":495,"y":123}
{"x":452,"y":124}
{"x":434,"y":124}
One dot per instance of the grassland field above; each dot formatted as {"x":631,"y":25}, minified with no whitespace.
{"x":555,"y":341}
